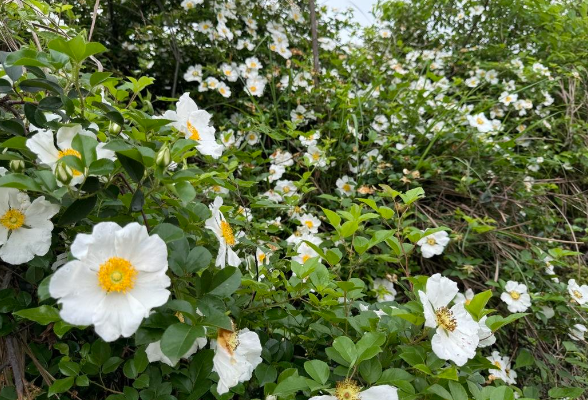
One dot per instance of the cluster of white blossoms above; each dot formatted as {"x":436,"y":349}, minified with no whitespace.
{"x":503,"y":370}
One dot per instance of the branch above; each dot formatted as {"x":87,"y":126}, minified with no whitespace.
{"x":315,"y":51}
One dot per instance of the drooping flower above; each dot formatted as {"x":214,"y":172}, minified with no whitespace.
{"x":516,"y":297}
{"x":349,"y":389}
{"x":578,"y":293}
{"x":118,"y":276}
{"x":433,"y":244}
{"x":42,"y":144}
{"x":236,"y":356}
{"x":195,"y":125}
{"x":456,"y":337}
{"x":25,"y":227}
{"x":384,"y":290}
{"x":225,"y":235}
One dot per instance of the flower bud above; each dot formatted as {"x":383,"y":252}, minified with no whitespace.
{"x":17,"y":165}
{"x":63,"y":173}
{"x":163,"y":158}
{"x":114,"y":128}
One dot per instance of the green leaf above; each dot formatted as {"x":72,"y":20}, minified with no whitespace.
{"x":43,"y":315}
{"x":369,"y":345}
{"x":440,"y":391}
{"x":478,"y":303}
{"x":38,"y":85}
{"x":168,"y":232}
{"x":290,"y":385}
{"x":334,"y":219}
{"x":265,"y":374}
{"x":318,"y":370}
{"x":185,"y":191}
{"x":502,"y":393}
{"x":225,"y":282}
{"x":178,"y":339}
{"x":371,"y":370}
{"x":134,"y":168}
{"x":198,"y":259}
{"x":360,"y":244}
{"x":448,"y":373}
{"x":561,"y":392}
{"x":77,"y":211}
{"x":412,"y":195}
{"x":86,"y":145}
{"x":496,"y":322}
{"x":457,"y":391}
{"x":346,"y":349}
{"x":60,"y":386}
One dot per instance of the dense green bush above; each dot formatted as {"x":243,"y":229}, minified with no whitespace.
{"x":191,"y":208}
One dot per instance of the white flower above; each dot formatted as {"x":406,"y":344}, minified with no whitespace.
{"x":224,"y":90}
{"x":42,"y":144}
{"x":189,"y":4}
{"x":305,"y":252}
{"x":577,"y":332}
{"x":433,"y":244}
{"x":460,"y":298}
{"x":195,"y":125}
{"x":578,"y":293}
{"x":345,"y":185}
{"x":385,"y":33}
{"x":224,"y":233}
{"x":504,"y":371}
{"x":384,"y":290}
{"x":472,"y":82}
{"x":236,"y":356}
{"x":25,"y":227}
{"x":118,"y":276}
{"x":255,"y":86}
{"x":276,"y":172}
{"x":315,"y":156}
{"x":516,"y":297}
{"x":155,"y":354}
{"x":286,"y":187}
{"x":507,"y":98}
{"x":262,"y":257}
{"x":230,"y":71}
{"x":309,"y":223}
{"x":349,"y":389}
{"x":485,"y":334}
{"x":281,"y":157}
{"x":194,"y":73}
{"x":456,"y":336}
{"x":252,"y":138}
{"x":481,"y":122}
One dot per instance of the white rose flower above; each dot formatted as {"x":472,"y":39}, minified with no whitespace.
{"x":25,"y":227}
{"x":456,"y":336}
{"x":236,"y":356}
{"x":516,"y":297}
{"x":349,"y":389}
{"x":578,"y":293}
{"x":118,"y":276}
{"x":224,"y":233}
{"x":195,"y":125}
{"x":433,"y":244}
{"x":384,"y":290}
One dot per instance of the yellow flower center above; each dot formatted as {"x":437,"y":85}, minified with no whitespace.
{"x":480,"y":121}
{"x":227,"y":233}
{"x":445,"y":319}
{"x":194,"y":134}
{"x":252,"y":137}
{"x":117,"y":275}
{"x":316,"y":156}
{"x":189,"y":5}
{"x":468,"y":301}
{"x":497,"y":364}
{"x":253,"y":65}
{"x":70,"y":152}
{"x":222,"y":90}
{"x":577,"y":293}
{"x":195,"y":73}
{"x":253,"y":89}
{"x":309,"y":224}
{"x":261,"y":257}
{"x":228,"y":340}
{"x":346,"y":187}
{"x":431,"y":241}
{"x":347,"y":390}
{"x":286,"y":189}
{"x":228,"y":72}
{"x":305,"y":258}
{"x":507,"y":98}
{"x":514,"y":294}
{"x":13,"y":219}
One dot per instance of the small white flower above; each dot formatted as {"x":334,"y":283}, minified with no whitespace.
{"x":516,"y":297}
{"x":433,"y":244}
{"x":236,"y":355}
{"x":507,"y":98}
{"x":480,"y":122}
{"x":346,"y":185}
{"x":456,"y":337}
{"x":252,"y":138}
{"x":190,"y":4}
{"x":384,"y":290}
{"x":118,"y":276}
{"x":577,"y":332}
{"x":503,"y":371}
{"x":309,"y":223}
{"x":194,"y":73}
{"x":154,"y":352}
{"x":305,"y":252}
{"x":578,"y":293}
{"x":225,"y":235}
{"x":224,"y":90}
{"x":25,"y":227}
{"x":276,"y":172}
{"x":286,"y":187}
{"x":195,"y":125}
{"x":255,"y":86}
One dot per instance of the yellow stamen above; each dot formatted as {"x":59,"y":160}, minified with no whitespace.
{"x":253,"y":89}
{"x":577,"y":294}
{"x":445,"y":319}
{"x":286,"y":189}
{"x":13,"y":219}
{"x":227,"y":233}
{"x":515,"y":295}
{"x":346,"y":187}
{"x":261,"y":257}
{"x":347,"y":390}
{"x":309,"y":224}
{"x":117,"y":275}
{"x":228,"y":340}
{"x":194,"y":134}
{"x":305,"y":258}
{"x":431,"y":241}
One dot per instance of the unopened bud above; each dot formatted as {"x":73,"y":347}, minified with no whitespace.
{"x":114,"y":128}
{"x":17,"y":165}
{"x":63,"y":173}
{"x":163,"y":158}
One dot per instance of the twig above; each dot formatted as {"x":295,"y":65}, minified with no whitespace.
{"x":315,"y":54}
{"x":94,"y":15}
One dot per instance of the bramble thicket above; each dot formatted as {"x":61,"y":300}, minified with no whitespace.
{"x":240,"y":199}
